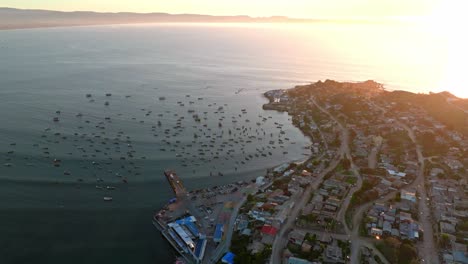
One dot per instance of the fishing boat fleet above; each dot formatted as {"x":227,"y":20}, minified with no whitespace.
{"x":207,"y":137}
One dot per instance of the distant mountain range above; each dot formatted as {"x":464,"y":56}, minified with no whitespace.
{"x":11,"y":18}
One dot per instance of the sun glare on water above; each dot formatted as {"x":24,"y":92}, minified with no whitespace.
{"x":449,"y":21}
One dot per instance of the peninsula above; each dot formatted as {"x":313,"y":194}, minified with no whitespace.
{"x":385,"y":183}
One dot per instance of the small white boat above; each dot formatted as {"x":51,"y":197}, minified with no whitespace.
{"x":107,"y":198}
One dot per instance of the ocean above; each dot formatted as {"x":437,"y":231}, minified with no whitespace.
{"x":132,"y":100}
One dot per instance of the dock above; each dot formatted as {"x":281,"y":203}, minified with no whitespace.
{"x":199,"y":224}
{"x":175,"y":183}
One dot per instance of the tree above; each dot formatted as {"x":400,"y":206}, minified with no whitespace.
{"x":407,"y":254}
{"x":397,"y":197}
{"x":444,"y":241}
{"x":463,"y":226}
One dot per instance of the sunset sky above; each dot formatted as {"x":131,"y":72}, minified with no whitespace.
{"x":291,"y":8}
{"x":445,"y":19}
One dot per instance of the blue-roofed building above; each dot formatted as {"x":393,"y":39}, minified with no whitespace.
{"x":193,"y":228}
{"x":228,"y":258}
{"x":188,"y":219}
{"x":200,"y":249}
{"x":218,"y":234}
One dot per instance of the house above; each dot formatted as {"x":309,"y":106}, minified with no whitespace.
{"x":259,"y":215}
{"x":405,"y":217}
{"x":282,"y":215}
{"x":447,"y":228}
{"x":269,"y":230}
{"x":275,"y":193}
{"x":306,"y":247}
{"x":453,"y":164}
{"x":333,"y":253}
{"x":409,"y":231}
{"x":297,"y":237}
{"x":409,"y":196}
{"x":376,"y":231}
{"x":228,"y":258}
{"x":387,"y":227}
{"x":380,"y":207}
{"x":333,"y":201}
{"x":395,"y":232}
{"x":325,"y":238}
{"x":330,"y":208}
{"x":436,"y":171}
{"x":255,"y":247}
{"x":246,"y":232}
{"x":388,"y":217}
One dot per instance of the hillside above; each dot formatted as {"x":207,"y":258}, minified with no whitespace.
{"x":11,"y":18}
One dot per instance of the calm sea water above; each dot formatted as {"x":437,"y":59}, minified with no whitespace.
{"x":209,"y":126}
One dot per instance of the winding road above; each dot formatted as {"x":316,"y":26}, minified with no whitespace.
{"x":427,"y":249}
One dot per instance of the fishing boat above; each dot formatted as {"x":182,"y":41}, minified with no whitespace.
{"x":107,"y":198}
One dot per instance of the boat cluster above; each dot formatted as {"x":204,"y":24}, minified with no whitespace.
{"x":201,"y":135}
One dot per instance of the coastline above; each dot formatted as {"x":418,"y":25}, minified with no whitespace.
{"x":164,"y":228}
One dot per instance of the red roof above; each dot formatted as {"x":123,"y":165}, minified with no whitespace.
{"x":269,"y":230}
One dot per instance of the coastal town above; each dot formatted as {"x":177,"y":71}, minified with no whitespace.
{"x":385,"y":182}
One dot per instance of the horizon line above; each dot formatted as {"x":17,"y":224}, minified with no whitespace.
{"x":303,"y":19}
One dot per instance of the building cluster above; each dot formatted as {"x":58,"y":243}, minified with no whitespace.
{"x":449,"y":203}
{"x":326,"y":202}
{"x":266,"y":212}
{"x":304,"y":247}
{"x":387,"y":134}
{"x":394,"y":220}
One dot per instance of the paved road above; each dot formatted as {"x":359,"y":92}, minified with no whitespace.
{"x":229,"y":229}
{"x":226,"y":244}
{"x":427,"y":252}
{"x":354,"y":169}
{"x":281,"y":240}
{"x":427,"y":249}
{"x":353,"y":234}
{"x":372,"y":159}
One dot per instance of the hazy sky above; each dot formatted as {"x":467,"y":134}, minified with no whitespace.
{"x":291,"y":8}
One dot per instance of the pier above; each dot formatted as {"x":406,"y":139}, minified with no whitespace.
{"x":175,"y":182}
{"x":198,"y":224}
